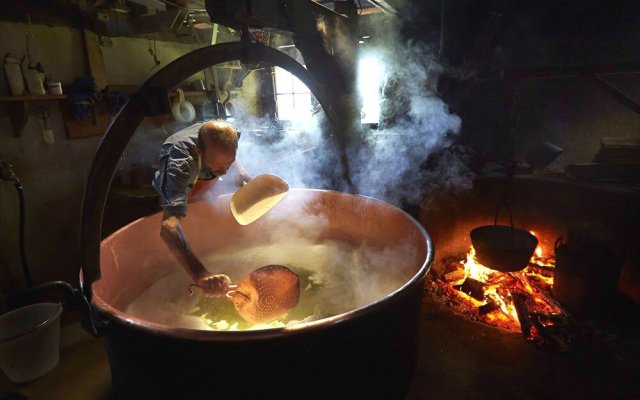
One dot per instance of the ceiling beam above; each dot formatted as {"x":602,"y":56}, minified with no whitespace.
{"x":383,"y":6}
{"x":126,"y":26}
{"x":369,"y":10}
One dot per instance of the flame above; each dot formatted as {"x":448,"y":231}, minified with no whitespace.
{"x":498,"y":286}
{"x":474,"y":270}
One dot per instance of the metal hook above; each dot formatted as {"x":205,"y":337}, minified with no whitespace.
{"x":245,"y":36}
{"x":43,"y":114}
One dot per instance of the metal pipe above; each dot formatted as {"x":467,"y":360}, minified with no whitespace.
{"x":72,"y":297}
{"x":8,"y":174}
{"x":26,"y":294}
{"x":23,"y":250}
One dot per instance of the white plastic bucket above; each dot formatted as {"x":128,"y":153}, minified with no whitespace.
{"x":30,"y":341}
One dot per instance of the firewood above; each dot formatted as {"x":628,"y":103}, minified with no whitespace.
{"x":488,"y":307}
{"x":554,"y":319}
{"x":549,"y":336}
{"x":473,"y":288}
{"x":519,"y":301}
{"x":454,"y":276}
{"x":554,"y":303}
{"x":618,"y":150}
{"x":543,"y":270}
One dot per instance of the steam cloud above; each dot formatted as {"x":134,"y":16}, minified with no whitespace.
{"x":409,"y":156}
{"x":294,"y":237}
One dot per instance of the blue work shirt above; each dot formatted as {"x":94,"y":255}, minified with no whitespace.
{"x":178,"y":170}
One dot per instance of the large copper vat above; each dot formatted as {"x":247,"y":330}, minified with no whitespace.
{"x":369,"y":352}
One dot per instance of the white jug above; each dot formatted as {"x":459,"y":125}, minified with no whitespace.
{"x":14,"y":75}
{"x":34,"y":81}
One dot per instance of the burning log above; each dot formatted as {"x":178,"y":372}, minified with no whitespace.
{"x":547,"y":334}
{"x":543,"y":270}
{"x":555,"y":319}
{"x":455,"y":276}
{"x":488,"y":307}
{"x":447,"y":266}
{"x":519,"y":301}
{"x":500,"y":279}
{"x":473,"y":288}
{"x":554,"y":303}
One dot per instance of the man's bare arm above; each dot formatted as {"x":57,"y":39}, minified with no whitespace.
{"x":172,"y":234}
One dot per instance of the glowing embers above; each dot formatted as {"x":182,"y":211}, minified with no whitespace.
{"x":516,"y":301}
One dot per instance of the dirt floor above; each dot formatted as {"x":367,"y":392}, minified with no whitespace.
{"x":462,"y":359}
{"x":459,"y":359}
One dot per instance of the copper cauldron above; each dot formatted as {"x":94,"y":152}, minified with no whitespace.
{"x":368,"y":352}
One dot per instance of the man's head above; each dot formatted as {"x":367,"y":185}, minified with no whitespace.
{"x":217,"y":145}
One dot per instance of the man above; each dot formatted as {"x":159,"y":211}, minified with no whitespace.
{"x":191,"y":159}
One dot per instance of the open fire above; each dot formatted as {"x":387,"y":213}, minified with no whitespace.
{"x":515,"y":301}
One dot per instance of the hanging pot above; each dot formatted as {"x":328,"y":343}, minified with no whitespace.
{"x":501,"y":247}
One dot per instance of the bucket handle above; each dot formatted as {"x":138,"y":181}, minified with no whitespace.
{"x":559,"y":242}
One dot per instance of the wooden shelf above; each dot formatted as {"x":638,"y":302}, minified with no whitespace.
{"x":19,"y":108}
{"x":33,"y":97}
{"x":195,"y":97}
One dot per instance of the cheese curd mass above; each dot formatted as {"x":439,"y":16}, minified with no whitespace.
{"x":335,"y":277}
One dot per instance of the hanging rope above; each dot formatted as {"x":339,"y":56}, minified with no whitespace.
{"x":153,"y":52}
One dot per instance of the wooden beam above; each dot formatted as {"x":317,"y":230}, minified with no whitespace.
{"x":616,"y":93}
{"x":369,"y":10}
{"x":563,"y":71}
{"x":127,"y":26}
{"x":383,"y":6}
{"x":485,"y":38}
{"x":95,"y":60}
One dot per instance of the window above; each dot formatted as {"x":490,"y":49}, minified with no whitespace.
{"x":293,"y":98}
{"x":370,"y":78}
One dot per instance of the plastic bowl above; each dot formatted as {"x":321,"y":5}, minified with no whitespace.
{"x":30,"y":341}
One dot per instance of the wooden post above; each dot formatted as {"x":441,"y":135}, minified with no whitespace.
{"x":95,"y":60}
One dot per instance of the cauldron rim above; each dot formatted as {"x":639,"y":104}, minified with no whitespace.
{"x":115,"y":315}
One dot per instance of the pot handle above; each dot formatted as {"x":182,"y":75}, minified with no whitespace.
{"x":559,"y":242}
{"x":495,"y":220}
{"x":506,"y":204}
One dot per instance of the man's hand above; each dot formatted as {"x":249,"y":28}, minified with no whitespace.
{"x":212,"y":285}
{"x":243,"y":176}
{"x":242,"y":180}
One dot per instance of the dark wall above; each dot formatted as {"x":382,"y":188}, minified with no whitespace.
{"x":548,"y":207}
{"x":507,"y":33}
{"x":483,"y":42}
